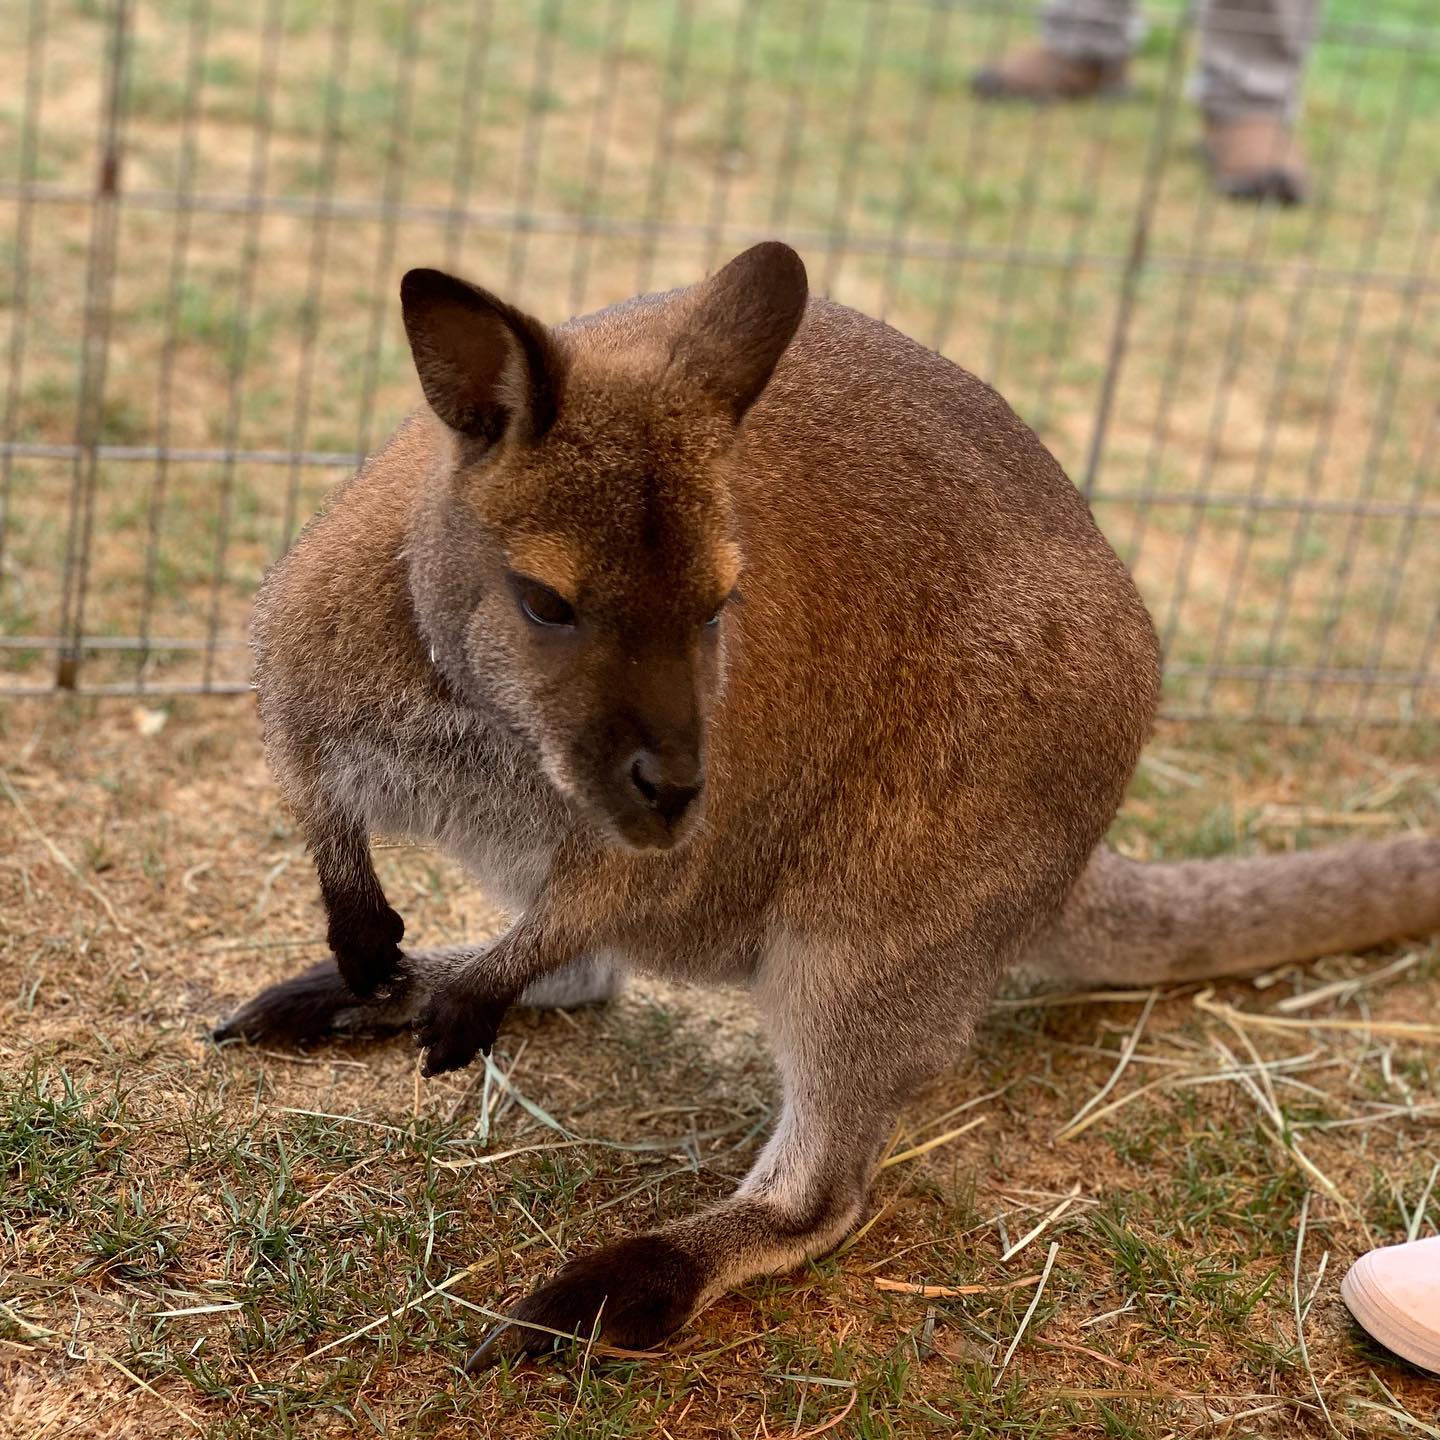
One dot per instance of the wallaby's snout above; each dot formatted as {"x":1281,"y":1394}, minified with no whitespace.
{"x":662,"y":760}
{"x":664,"y":787}
{"x":643,"y":768}
{"x":668,"y":785}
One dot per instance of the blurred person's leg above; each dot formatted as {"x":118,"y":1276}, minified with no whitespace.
{"x":1252,"y":62}
{"x":1083,"y":50}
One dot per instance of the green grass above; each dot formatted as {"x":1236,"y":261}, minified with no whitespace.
{"x":51,"y":1142}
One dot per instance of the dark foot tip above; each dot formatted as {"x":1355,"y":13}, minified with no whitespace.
{"x":504,"y":1342}
{"x":441,"y":1058}
{"x":487,"y":1354}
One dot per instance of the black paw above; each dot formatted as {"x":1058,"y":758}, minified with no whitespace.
{"x":366,"y":946}
{"x":455,"y":1026}
{"x":639,"y":1290}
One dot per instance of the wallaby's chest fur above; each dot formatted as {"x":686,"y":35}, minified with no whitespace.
{"x":938,"y":677}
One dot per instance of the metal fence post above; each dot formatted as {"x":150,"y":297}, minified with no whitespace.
{"x":1139,"y":245}
{"x":94,"y":353}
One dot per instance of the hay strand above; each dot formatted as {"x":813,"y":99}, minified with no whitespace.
{"x":1033,"y":1306}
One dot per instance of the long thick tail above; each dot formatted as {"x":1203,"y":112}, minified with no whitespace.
{"x":1128,"y":923}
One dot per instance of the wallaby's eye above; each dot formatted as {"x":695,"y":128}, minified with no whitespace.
{"x":542,"y":606}
{"x":714,"y":621}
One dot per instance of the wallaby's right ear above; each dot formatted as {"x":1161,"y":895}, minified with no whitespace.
{"x":484,"y":366}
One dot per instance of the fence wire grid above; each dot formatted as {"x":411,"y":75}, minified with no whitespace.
{"x":206,"y":207}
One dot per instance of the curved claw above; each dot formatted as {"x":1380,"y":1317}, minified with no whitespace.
{"x":487,"y":1352}
{"x":494,"y":1348}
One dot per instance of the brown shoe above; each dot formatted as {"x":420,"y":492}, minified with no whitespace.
{"x":1042,"y":75}
{"x":1255,"y":158}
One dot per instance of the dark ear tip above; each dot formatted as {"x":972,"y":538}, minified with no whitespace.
{"x":779,"y":268}
{"x":781,"y":258}
{"x":418,"y":284}
{"x":428,"y":287}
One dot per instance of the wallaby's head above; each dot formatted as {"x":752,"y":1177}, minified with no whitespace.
{"x":574,"y":555}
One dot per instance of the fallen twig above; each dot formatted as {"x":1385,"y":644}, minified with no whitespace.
{"x":1399,"y":1029}
{"x":1042,"y":1224}
{"x":1127,"y":1051}
{"x":950,"y":1292}
{"x":916,"y":1151}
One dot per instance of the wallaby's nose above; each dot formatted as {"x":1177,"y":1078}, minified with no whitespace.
{"x":667,"y":785}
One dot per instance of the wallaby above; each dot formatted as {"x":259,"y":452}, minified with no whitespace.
{"x":729,"y":635}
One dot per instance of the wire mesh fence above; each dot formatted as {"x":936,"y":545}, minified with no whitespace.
{"x":207,"y":206}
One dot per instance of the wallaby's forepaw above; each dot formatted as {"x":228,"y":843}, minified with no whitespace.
{"x":639,"y":1290}
{"x":366,"y":947}
{"x":457,"y":1024}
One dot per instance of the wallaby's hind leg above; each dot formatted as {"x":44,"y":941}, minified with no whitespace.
{"x":591,"y":980}
{"x":317,"y":1003}
{"x":842,"y":1083}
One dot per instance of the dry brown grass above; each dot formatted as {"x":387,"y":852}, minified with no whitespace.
{"x":185,"y":1178}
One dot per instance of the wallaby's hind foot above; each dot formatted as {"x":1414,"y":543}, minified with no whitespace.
{"x":805,"y":1191}
{"x":642,"y":1289}
{"x":317,"y":1004}
{"x":313,"y":1005}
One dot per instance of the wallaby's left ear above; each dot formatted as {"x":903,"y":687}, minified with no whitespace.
{"x":485,"y":367}
{"x":742,"y":319}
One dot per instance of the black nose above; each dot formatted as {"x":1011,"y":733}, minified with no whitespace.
{"x":667,"y":786}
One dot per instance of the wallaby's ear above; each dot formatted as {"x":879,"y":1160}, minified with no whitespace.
{"x":484,"y":366}
{"x":743,"y":318}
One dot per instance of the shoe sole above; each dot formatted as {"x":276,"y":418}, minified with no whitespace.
{"x":1367,"y":1303}
{"x":992,"y":87}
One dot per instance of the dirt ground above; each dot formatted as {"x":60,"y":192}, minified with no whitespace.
{"x":243,"y":1243}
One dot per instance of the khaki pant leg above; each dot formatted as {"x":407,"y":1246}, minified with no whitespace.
{"x":1092,"y":29}
{"x":1252,"y":56}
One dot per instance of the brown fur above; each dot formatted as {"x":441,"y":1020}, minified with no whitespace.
{"x":872,"y":787}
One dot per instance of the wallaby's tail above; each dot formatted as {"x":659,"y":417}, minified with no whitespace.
{"x":1128,"y":923}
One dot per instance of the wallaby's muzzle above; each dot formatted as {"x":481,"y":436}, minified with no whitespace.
{"x":649,"y":792}
{"x":641,"y":762}
{"x":664,"y":792}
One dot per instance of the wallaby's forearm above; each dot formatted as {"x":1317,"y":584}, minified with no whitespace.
{"x":364,"y":933}
{"x":463,"y":1014}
